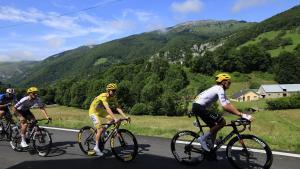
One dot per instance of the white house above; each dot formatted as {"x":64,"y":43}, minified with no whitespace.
{"x":278,"y":90}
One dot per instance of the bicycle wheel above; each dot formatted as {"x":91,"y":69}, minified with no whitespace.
{"x":15,"y":141}
{"x":186,"y":149}
{"x":124,"y":145}
{"x":86,"y":139}
{"x":2,"y":131}
{"x":249,"y":152}
{"x":42,"y":141}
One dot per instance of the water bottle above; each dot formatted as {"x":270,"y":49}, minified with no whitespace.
{"x":106,"y":133}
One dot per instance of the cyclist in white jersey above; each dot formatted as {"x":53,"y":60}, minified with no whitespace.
{"x":22,"y":109}
{"x":214,"y":120}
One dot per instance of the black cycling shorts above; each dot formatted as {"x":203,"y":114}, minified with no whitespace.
{"x":26,"y":114}
{"x":211,"y":119}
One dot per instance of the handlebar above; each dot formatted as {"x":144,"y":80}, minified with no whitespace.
{"x":242,"y":122}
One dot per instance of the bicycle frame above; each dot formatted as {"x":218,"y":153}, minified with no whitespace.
{"x":113,"y":130}
{"x":235,"y":131}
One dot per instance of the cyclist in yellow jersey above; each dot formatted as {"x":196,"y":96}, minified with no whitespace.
{"x":101,"y":111}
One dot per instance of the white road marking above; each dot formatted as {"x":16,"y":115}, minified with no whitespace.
{"x":182,"y":142}
{"x":254,"y":150}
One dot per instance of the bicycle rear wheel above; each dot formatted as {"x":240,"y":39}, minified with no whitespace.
{"x":249,"y":152}
{"x":186,"y":149}
{"x":124,"y":145}
{"x":86,"y":139}
{"x":3,"y":133}
{"x":15,"y":141}
{"x":42,"y":142}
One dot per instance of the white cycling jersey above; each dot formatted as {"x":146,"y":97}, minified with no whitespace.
{"x":207,"y":97}
{"x":25,"y":103}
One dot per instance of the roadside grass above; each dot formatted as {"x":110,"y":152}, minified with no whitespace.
{"x":280,"y":129}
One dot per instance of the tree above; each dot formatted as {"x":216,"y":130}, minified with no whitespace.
{"x":204,"y":64}
{"x":287,"y":68}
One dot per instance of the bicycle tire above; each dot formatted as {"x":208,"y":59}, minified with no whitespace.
{"x":39,"y":142}
{"x":86,"y":139}
{"x":242,"y":158}
{"x":2,"y":131}
{"x":182,"y":145}
{"x":15,"y":141}
{"x":124,"y":149}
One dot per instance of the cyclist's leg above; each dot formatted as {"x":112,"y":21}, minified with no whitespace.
{"x":2,"y":113}
{"x":219,"y":124}
{"x":23,"y":121}
{"x":96,"y":119}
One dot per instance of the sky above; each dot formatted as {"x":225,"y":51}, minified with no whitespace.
{"x":37,"y":29}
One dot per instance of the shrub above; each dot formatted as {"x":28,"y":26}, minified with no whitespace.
{"x":292,"y":102}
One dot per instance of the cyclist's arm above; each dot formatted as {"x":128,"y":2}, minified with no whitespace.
{"x":231,"y":109}
{"x":121,"y":112}
{"x":109,"y":111}
{"x":4,"y":105}
{"x":43,"y":110}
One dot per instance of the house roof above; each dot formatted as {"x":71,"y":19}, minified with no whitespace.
{"x":243,"y":92}
{"x":273,"y":88}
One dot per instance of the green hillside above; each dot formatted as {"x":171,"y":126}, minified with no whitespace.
{"x":87,"y":61}
{"x":293,"y":36}
{"x":11,"y":70}
{"x":287,"y":20}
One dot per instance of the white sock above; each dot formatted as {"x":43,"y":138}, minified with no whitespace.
{"x":96,"y":146}
{"x":23,"y":138}
{"x":205,"y":135}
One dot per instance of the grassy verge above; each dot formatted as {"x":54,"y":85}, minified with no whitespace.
{"x":280,"y":129}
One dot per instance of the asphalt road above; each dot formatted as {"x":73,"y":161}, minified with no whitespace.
{"x":154,"y":153}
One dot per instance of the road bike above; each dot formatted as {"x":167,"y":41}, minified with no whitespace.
{"x":123,"y":143}
{"x":38,"y":139}
{"x":6,"y":125}
{"x":243,"y":151}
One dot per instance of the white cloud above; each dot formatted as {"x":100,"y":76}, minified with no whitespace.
{"x":141,"y":15}
{"x":188,"y":6}
{"x":244,"y":4}
{"x":12,"y":14}
{"x":55,"y":42}
{"x":17,"y":55}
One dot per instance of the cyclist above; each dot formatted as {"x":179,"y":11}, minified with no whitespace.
{"x":102,"y":110}
{"x":6,"y":101}
{"x":214,"y":120}
{"x":22,"y":109}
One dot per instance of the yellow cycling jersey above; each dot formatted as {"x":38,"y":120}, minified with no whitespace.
{"x":97,"y":106}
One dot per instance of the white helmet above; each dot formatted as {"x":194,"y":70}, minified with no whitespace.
{"x":10,"y":91}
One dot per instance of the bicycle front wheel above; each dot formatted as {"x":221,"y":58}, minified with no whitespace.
{"x":86,"y":139}
{"x":186,"y":149}
{"x":124,"y":145}
{"x":249,"y":152}
{"x":42,"y":142}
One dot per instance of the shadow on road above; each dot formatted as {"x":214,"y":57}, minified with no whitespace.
{"x":143,"y":161}
{"x":59,"y":148}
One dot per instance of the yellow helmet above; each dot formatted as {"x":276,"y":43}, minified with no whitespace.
{"x":32,"y":89}
{"x":111,"y":86}
{"x":222,"y":76}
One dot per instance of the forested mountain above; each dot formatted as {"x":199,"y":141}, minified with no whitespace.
{"x":159,"y":72}
{"x":9,"y":70}
{"x":90,"y":60}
